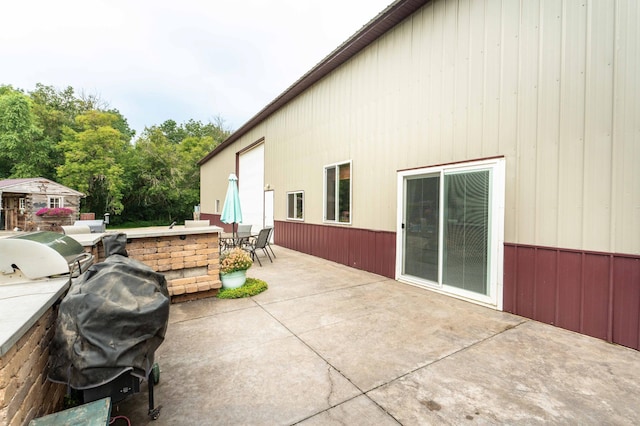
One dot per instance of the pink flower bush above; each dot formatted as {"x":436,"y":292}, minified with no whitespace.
{"x":58,"y":211}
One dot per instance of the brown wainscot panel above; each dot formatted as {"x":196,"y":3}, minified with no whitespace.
{"x":368,"y":250}
{"x":593,"y":293}
{"x":626,"y":294}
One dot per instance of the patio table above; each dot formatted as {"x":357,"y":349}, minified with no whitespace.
{"x":234,"y":239}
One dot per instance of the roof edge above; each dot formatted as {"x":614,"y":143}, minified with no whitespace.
{"x":21,"y":181}
{"x":392,"y":15}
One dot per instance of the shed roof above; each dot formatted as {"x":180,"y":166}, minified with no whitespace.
{"x":33,"y":185}
{"x":392,"y":15}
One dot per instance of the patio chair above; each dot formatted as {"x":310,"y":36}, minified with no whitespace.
{"x":269,"y":240}
{"x":244,"y":228}
{"x":260,"y":243}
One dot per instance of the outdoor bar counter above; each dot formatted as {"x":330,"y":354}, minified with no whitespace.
{"x":187,"y":256}
{"x":27,"y":316}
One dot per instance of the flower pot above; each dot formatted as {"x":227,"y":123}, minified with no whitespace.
{"x":233,"y":279}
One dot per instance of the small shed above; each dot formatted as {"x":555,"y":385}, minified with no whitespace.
{"x":37,"y":203}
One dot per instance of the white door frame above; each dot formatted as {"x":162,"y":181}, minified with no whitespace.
{"x":269,"y":219}
{"x":496,"y":231}
{"x":251,"y":185}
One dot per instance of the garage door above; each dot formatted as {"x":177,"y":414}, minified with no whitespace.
{"x":251,"y":186}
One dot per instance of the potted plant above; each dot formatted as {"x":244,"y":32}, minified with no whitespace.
{"x":233,"y":267}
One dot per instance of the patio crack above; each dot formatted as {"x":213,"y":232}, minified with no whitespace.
{"x":319,"y":355}
{"x":472,"y":345}
{"x":331,"y":385}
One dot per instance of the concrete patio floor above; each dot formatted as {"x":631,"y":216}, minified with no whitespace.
{"x":331,"y":345}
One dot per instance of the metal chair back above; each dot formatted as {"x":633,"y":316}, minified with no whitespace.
{"x":244,"y":228}
{"x":260,"y":243}
{"x":263,"y":238}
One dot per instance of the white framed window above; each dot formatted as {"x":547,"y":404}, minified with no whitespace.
{"x":337,"y":193}
{"x":295,"y":205}
{"x":22,"y":203}
{"x":55,"y":202}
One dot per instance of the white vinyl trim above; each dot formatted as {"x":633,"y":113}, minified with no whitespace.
{"x":324,"y":194}
{"x":251,"y":186}
{"x":53,"y":200}
{"x":295,"y":205}
{"x":496,"y":231}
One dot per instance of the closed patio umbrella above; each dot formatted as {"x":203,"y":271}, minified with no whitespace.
{"x":231,"y":211}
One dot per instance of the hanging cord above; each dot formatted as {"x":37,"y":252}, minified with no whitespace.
{"x":126,"y":419}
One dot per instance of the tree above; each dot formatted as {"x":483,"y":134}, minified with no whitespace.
{"x":153,"y":172}
{"x":23,"y":152}
{"x":200,"y":141}
{"x":79,"y":141}
{"x":164,"y":170}
{"x":53,"y":110}
{"x":192,"y":150}
{"x":93,"y":160}
{"x":56,"y":108}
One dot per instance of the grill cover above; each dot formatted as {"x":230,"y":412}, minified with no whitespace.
{"x":112,"y":320}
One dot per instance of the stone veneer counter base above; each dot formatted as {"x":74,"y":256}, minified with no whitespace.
{"x":188,"y":257}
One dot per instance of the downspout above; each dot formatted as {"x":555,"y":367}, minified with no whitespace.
{"x":2,"y":224}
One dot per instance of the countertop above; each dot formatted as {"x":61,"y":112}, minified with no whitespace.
{"x":23,"y":304}
{"x":152,"y":231}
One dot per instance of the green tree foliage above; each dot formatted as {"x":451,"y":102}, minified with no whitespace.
{"x":200,"y":140}
{"x":54,"y":109}
{"x":24,"y":152}
{"x":154,"y":175}
{"x":93,"y":157}
{"x":164,"y":169}
{"x":83,"y":143}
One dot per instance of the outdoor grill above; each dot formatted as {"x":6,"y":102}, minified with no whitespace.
{"x":109,"y":325}
{"x":41,"y":255}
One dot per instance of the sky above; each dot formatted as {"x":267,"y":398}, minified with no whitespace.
{"x":179,"y":60}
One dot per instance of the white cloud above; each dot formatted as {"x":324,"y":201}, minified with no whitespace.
{"x":159,"y":60}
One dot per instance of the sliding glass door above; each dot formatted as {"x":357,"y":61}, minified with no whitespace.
{"x":466,"y":231}
{"x":451,"y":229}
{"x":422,"y":227}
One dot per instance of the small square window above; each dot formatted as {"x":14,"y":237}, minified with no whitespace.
{"x":55,"y":202}
{"x":295,"y":205}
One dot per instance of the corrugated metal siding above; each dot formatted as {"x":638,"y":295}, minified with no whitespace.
{"x":626,"y":294}
{"x":552,"y":86}
{"x":570,"y":292}
{"x":597,"y":294}
{"x":372,"y":251}
{"x":214,"y":182}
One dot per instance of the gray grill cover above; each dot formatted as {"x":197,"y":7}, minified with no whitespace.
{"x":112,"y":320}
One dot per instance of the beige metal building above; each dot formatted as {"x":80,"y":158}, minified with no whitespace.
{"x":489,"y":150}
